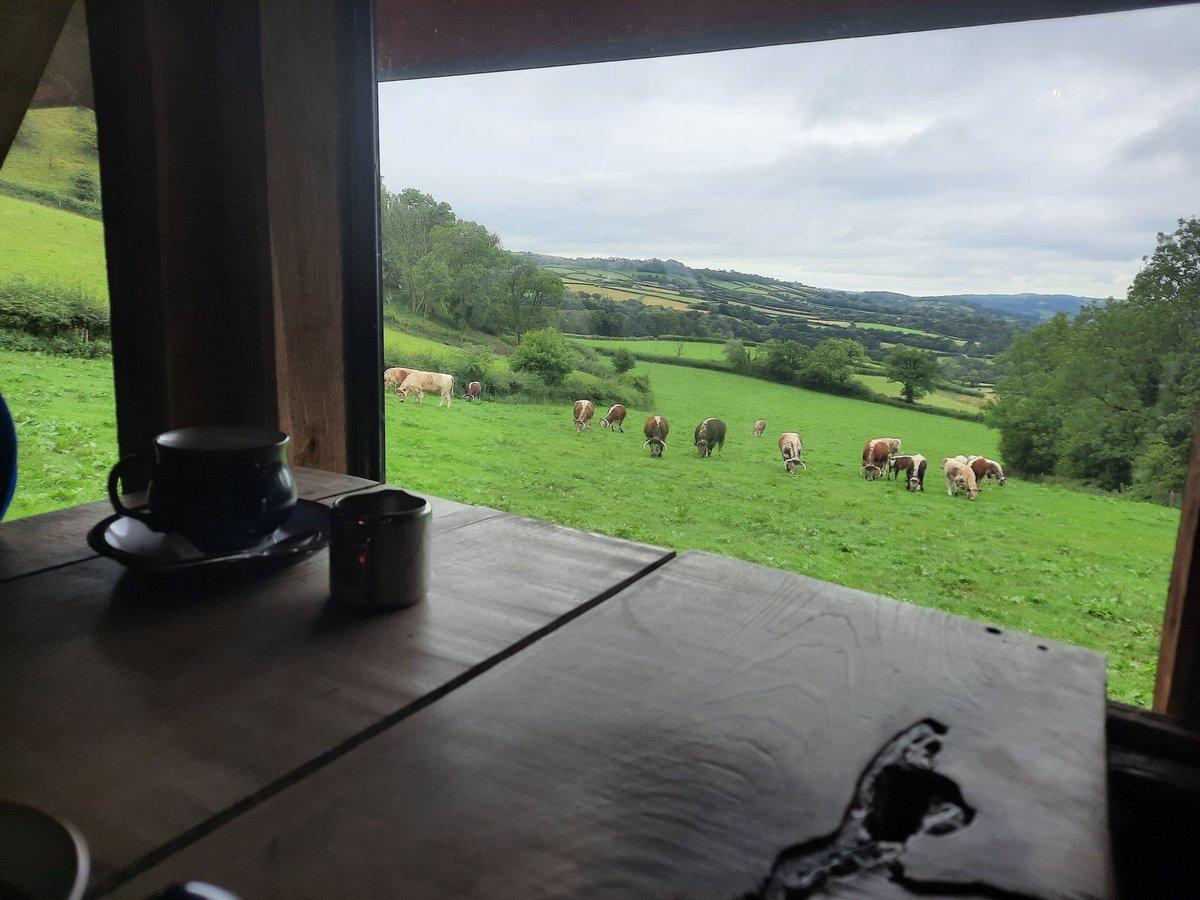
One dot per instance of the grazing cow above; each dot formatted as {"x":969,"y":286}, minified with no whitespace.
{"x":959,"y":477}
{"x":760,"y":425}
{"x":427,"y":382}
{"x":875,"y":456}
{"x":709,"y":434}
{"x":393,"y":378}
{"x":913,"y":465}
{"x":656,"y":429}
{"x":615,"y":417}
{"x":985,"y":468}
{"x":584,"y":410}
{"x":474,"y":391}
{"x":791,"y":446}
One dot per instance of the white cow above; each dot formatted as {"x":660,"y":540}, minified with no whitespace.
{"x":423,"y":382}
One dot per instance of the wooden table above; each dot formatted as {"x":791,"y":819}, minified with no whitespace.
{"x":568,"y":715}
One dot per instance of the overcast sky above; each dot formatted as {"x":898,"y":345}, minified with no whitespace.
{"x":1041,"y":156}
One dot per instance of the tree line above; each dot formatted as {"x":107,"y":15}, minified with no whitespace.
{"x":1110,"y":396}
{"x":455,"y":269}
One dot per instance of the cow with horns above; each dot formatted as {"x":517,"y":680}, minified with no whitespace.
{"x":614,"y":418}
{"x":913,"y":465}
{"x":985,"y":468}
{"x":474,"y":391}
{"x":584,"y":410}
{"x":959,"y":477}
{"x":790,"y":447}
{"x":760,"y":425}
{"x":875,"y":456}
{"x":656,"y":429}
{"x":709,"y":434}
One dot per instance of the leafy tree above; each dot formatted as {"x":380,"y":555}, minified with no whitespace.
{"x":781,"y":360}
{"x":736,"y":356}
{"x":1111,"y":397}
{"x":607,"y":322}
{"x":831,"y":363}
{"x":528,"y":293}
{"x":915,"y":369}
{"x":623,"y":361}
{"x":544,"y":353}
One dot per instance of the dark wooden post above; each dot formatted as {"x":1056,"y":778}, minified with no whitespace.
{"x":236,"y":142}
{"x":28,"y":32}
{"x":1177,"y":689}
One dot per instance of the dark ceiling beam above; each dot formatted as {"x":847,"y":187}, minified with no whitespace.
{"x":426,"y":38}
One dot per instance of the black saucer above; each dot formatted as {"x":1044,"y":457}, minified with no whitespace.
{"x":134,"y":544}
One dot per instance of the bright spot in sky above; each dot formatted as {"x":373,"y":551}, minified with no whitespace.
{"x":1056,"y":93}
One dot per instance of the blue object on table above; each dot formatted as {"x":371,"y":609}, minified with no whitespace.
{"x":8,"y":457}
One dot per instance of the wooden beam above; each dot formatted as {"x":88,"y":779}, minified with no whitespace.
{"x":423,"y":38}
{"x":231,"y":149}
{"x":28,"y":33}
{"x":1177,"y":689}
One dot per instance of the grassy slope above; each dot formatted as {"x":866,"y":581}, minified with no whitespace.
{"x":46,"y":244}
{"x":1084,"y":569}
{"x":51,"y":148}
{"x":66,"y":429}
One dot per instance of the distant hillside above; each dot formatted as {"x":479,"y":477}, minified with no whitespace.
{"x":1040,"y":306}
{"x":712,"y":283}
{"x":977,"y":326}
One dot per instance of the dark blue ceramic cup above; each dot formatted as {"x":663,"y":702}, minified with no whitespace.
{"x":223,"y":488}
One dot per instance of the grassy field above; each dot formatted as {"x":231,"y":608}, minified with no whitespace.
{"x":1082,"y":568}
{"x":1085,"y":569}
{"x":940,"y":398}
{"x":52,"y":147}
{"x":46,"y":244}
{"x":708,"y":352}
{"x":66,"y":425}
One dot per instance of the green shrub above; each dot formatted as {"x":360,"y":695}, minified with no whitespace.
{"x":545,"y":353}
{"x":51,"y":311}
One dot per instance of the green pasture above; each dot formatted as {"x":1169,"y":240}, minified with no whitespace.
{"x":403,"y":344}
{"x":1081,"y":568}
{"x":941,"y":398}
{"x":47,"y":244}
{"x":52,"y":146}
{"x":708,"y":352}
{"x":879,"y":326}
{"x":66,"y":427}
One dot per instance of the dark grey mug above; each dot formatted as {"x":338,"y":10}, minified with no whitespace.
{"x":224,"y":488}
{"x":379,"y":549}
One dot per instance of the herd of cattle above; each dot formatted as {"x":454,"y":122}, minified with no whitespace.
{"x":881,"y":457}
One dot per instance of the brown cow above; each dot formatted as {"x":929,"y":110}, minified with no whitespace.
{"x":791,"y":446}
{"x":474,"y":391}
{"x":615,"y":417}
{"x":959,"y":477}
{"x":913,"y":465}
{"x":875,"y":456}
{"x":760,"y":425}
{"x":985,"y":468}
{"x":584,"y":410}
{"x":656,"y":429}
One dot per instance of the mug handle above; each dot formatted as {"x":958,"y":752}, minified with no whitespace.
{"x":138,"y":512}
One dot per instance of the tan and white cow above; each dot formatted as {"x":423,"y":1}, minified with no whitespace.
{"x":959,"y":478}
{"x":393,"y":378}
{"x":790,"y":447}
{"x":427,"y":382}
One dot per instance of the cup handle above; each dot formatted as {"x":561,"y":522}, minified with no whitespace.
{"x":138,"y":512}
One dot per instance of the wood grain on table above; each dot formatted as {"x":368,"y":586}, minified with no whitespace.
{"x":672,"y":741}
{"x":140,"y":708}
